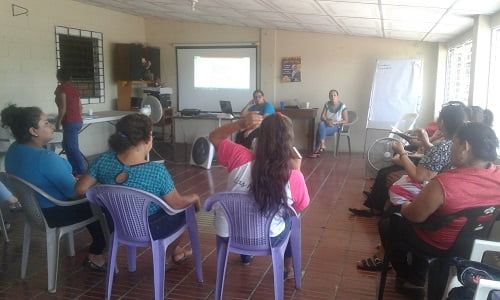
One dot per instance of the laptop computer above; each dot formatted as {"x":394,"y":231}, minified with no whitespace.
{"x":225,"y":107}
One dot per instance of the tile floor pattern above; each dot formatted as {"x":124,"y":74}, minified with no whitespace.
{"x":332,"y":242}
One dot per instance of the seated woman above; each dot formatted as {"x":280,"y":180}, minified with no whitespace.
{"x":474,"y":182}
{"x":271,"y":173}
{"x":334,"y":114}
{"x":436,"y":159}
{"x":50,"y":172}
{"x":260,"y":105}
{"x":126,"y":165}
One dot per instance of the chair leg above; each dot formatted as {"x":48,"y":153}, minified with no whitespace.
{"x":383,"y":274}
{"x":278,"y":268}
{"x":159,"y":250}
{"x":195,"y":242}
{"x":295,"y":241}
{"x":4,"y":230}
{"x":113,"y":249}
{"x":221,"y":266}
{"x":337,"y":140}
{"x":26,"y":249}
{"x":52,"y":258}
{"x":131,"y":258}
{"x":349,"y":143}
{"x":70,"y":244}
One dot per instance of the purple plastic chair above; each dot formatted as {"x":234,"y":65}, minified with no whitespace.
{"x":249,"y":234}
{"x":129,"y":210}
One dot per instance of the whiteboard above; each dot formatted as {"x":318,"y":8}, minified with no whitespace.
{"x":396,"y":90}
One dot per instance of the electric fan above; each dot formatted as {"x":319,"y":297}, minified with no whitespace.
{"x":202,"y":152}
{"x":380,"y":153}
{"x":152,"y":108}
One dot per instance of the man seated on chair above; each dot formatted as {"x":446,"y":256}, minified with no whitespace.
{"x":260,"y":105}
{"x":271,"y":173}
{"x":27,"y":159}
{"x":474,"y":182}
{"x":126,"y":165}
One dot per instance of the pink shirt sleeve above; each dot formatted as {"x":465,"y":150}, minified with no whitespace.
{"x":298,"y":187}
{"x":232,"y":155}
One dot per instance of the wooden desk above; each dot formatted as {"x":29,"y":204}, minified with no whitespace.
{"x":308,"y":114}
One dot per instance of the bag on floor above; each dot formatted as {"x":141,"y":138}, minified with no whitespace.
{"x":469,"y":273}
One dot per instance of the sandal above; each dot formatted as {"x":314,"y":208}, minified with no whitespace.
{"x":91,"y":265}
{"x":371,"y":264}
{"x":365,"y":212}
{"x":181,"y":260}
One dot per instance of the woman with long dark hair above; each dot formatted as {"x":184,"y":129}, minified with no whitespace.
{"x":271,"y":173}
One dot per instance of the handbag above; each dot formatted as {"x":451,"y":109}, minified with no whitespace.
{"x":469,"y":273}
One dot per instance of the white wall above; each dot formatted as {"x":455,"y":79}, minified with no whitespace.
{"x":27,"y":59}
{"x":28,"y":55}
{"x":328,"y":61}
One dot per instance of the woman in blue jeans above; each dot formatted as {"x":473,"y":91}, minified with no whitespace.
{"x":70,"y":117}
{"x":334,"y":114}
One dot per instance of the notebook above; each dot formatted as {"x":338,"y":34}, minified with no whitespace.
{"x":225,"y":107}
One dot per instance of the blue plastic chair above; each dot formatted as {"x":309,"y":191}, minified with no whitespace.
{"x":128,"y":208}
{"x":249,"y":234}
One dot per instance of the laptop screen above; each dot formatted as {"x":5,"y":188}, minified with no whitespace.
{"x":225,"y":107}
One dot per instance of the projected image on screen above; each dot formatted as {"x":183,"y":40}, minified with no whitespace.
{"x":222,"y":72}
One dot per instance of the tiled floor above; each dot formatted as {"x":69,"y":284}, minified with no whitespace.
{"x":332,"y":242}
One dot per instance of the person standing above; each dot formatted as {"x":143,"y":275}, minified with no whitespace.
{"x":67,"y":98}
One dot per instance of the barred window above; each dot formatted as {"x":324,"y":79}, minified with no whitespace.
{"x":81,"y":53}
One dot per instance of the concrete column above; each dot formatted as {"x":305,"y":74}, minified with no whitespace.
{"x":480,"y":62}
{"x":267,"y":63}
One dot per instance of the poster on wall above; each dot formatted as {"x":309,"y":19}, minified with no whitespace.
{"x":291,"y":69}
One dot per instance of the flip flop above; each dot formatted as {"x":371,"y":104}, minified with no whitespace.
{"x":364,"y":212}
{"x":91,"y":265}
{"x":407,"y":288}
{"x":371,"y":264}
{"x":314,"y":155}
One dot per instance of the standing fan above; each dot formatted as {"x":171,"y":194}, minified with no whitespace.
{"x":380,"y":153}
{"x":152,"y":108}
{"x":202,"y":152}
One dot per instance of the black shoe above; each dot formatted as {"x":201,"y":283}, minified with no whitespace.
{"x":90,"y":264}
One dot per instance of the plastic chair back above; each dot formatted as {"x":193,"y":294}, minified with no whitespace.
{"x":128,"y":208}
{"x":249,"y":234}
{"x":22,"y":190}
{"x":346,"y":131}
{"x":35,"y":218}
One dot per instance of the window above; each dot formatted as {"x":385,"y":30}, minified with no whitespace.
{"x":458,"y":72}
{"x":494,"y":88}
{"x":80,"y":52}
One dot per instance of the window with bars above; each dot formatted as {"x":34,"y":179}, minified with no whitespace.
{"x":458,"y":72}
{"x":81,"y":52}
{"x":493,"y":103}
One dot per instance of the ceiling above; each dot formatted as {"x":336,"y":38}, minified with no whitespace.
{"x":420,"y":20}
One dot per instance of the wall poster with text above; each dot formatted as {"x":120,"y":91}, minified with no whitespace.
{"x":291,"y":69}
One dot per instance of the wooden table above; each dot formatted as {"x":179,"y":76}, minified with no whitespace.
{"x":308,"y":114}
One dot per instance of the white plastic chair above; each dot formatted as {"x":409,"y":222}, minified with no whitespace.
{"x":34,"y":218}
{"x":405,"y":123}
{"x":345,"y":130}
{"x":484,"y":288}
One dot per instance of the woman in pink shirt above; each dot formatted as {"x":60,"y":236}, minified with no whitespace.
{"x":271,"y":173}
